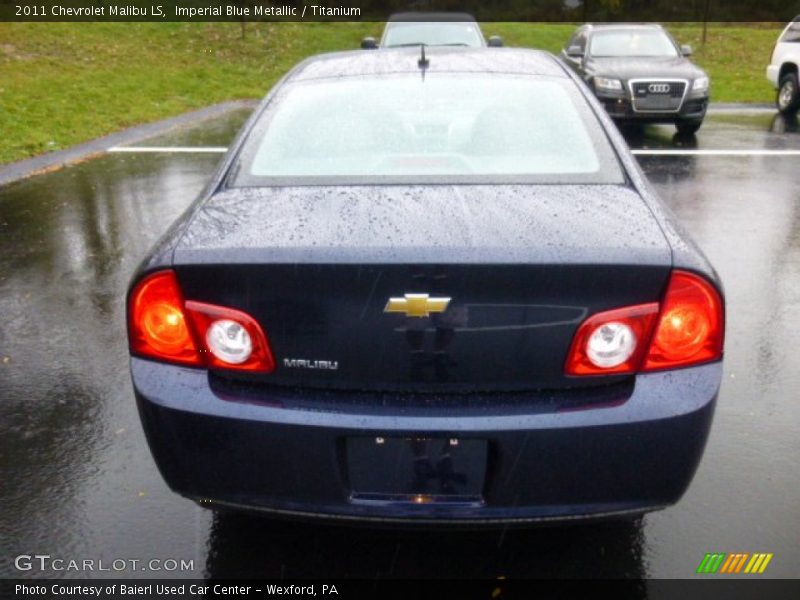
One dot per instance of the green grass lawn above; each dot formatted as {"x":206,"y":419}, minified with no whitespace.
{"x":61,"y":84}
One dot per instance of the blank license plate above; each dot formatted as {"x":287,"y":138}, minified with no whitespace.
{"x":416,"y":469}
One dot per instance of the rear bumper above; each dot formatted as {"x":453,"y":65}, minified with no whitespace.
{"x":635,"y":455}
{"x":772,"y":75}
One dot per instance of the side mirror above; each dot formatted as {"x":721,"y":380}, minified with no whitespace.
{"x":575,"y":52}
{"x":495,"y":41}
{"x":686,"y":50}
{"x":369,"y":43}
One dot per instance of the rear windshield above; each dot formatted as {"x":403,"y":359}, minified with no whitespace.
{"x":444,"y":128}
{"x":641,"y":42}
{"x":432,"y":34}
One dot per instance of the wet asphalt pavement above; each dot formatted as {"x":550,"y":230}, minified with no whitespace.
{"x":77,"y":480}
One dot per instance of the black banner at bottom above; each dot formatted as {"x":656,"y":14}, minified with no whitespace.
{"x":343,"y":589}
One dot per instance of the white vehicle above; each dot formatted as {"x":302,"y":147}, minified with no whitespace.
{"x":783,"y":70}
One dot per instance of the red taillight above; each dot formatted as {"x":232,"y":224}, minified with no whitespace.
{"x":163,"y":326}
{"x":158,"y":326}
{"x":634,"y":322}
{"x":686,"y":328}
{"x":691,"y":326}
{"x":256,"y":357}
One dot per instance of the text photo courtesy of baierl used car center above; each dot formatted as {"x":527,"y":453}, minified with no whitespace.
{"x":352,"y":300}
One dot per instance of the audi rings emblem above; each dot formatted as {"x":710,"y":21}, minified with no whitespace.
{"x":658,"y":88}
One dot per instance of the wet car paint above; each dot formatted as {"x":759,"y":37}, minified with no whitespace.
{"x":79,"y":482}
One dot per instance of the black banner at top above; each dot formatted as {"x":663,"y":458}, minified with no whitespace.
{"x":379,"y":10}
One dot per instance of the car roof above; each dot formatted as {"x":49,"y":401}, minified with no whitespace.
{"x":388,"y":61}
{"x":426,"y":17}
{"x":608,"y":26}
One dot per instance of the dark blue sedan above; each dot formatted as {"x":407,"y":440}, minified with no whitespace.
{"x":428,"y":288}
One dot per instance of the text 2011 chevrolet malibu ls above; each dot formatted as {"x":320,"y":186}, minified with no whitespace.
{"x":428,"y":289}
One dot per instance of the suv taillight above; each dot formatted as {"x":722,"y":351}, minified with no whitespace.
{"x":686,"y":328}
{"x":163,"y":326}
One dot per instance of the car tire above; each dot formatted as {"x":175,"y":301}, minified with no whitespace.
{"x":788,"y":97}
{"x":688,"y":127}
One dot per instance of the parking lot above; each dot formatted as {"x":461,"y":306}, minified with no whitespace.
{"x":78,"y":478}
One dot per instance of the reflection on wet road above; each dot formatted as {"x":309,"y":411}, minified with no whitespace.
{"x":240,"y":546}
{"x":78,"y":480}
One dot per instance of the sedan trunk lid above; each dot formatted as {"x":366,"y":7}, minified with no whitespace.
{"x":429,"y":289}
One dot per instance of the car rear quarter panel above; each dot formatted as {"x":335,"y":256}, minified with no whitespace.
{"x":686,"y":254}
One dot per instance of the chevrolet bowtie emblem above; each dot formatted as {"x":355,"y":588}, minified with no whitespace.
{"x":416,"y":305}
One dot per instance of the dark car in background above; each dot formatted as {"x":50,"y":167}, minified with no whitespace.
{"x":428,"y":292}
{"x":431,"y":29}
{"x":640,"y":74}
